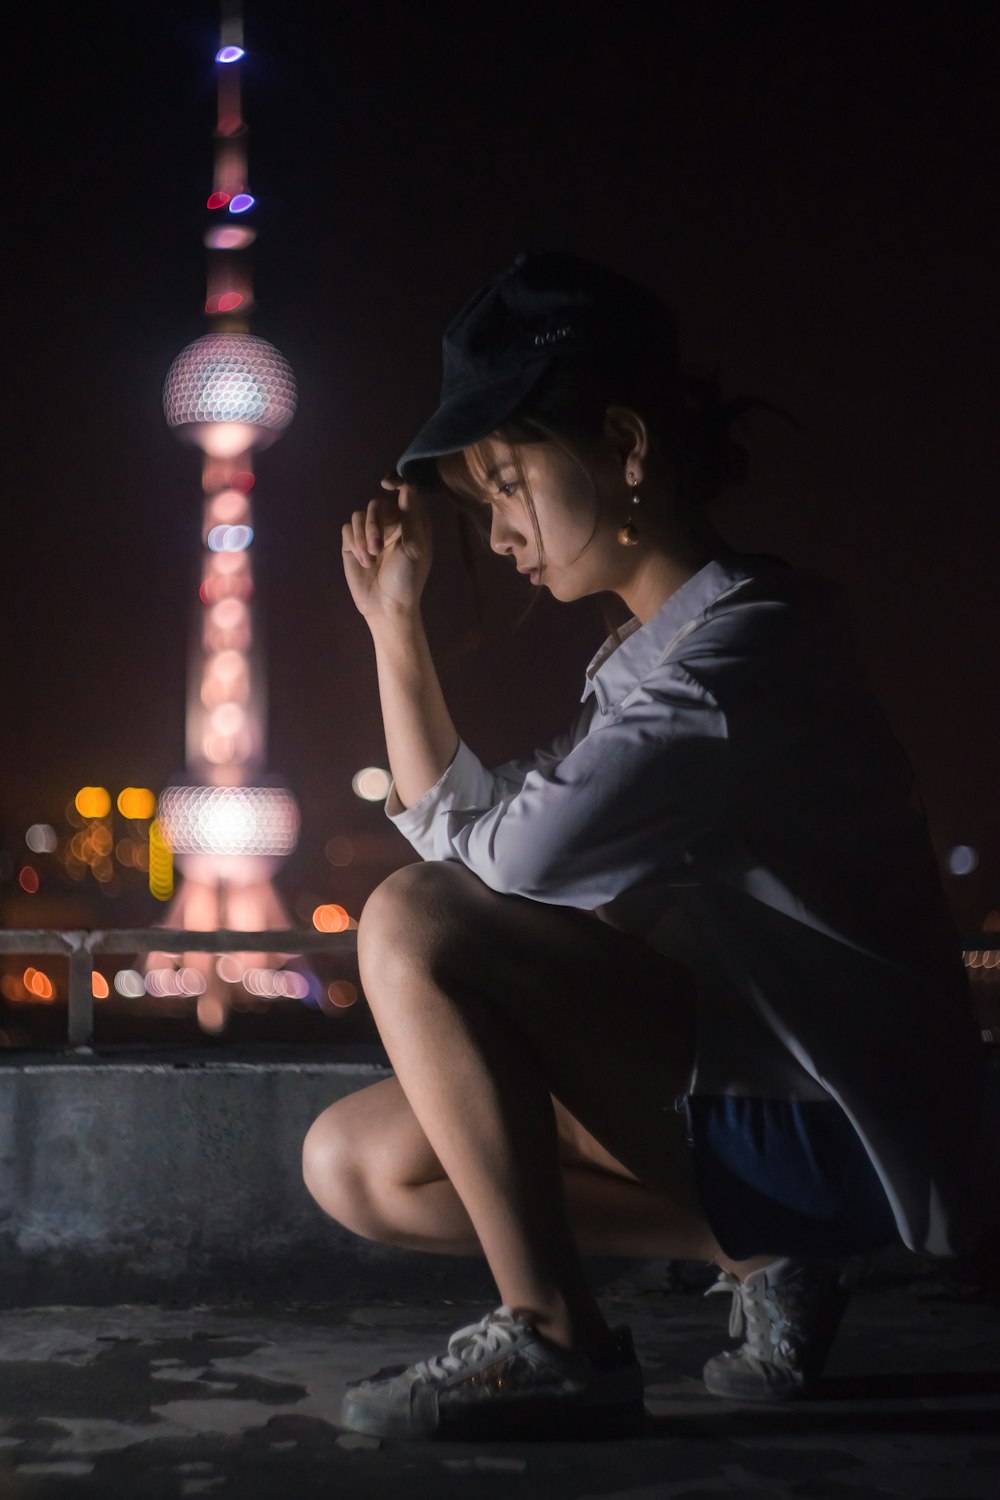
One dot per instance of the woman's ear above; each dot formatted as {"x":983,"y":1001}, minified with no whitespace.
{"x":627,"y":433}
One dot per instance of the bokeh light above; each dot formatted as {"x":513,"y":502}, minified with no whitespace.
{"x":228,"y":505}
{"x":341,"y":993}
{"x":229,"y":820}
{"x":137,"y":803}
{"x":130,"y":984}
{"x":372,"y":784}
{"x":339,"y":851}
{"x":229,"y":968}
{"x":161,"y":864}
{"x":241,"y":203}
{"x":962,"y":860}
{"x":92,"y":802}
{"x":28,"y":879}
{"x":38,"y":984}
{"x":232,"y":379}
{"x":229,"y":538}
{"x":230,"y":236}
{"x":330,"y":918}
{"x":217,"y":200}
{"x":212,"y":1013}
{"x":229,"y":54}
{"x":99,"y":986}
{"x":41,"y":838}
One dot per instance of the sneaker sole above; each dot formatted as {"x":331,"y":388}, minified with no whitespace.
{"x":540,"y":1421}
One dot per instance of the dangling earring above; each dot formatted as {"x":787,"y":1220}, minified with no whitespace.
{"x":628,"y":535}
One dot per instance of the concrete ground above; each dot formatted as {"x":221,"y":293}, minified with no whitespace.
{"x":241,"y":1402}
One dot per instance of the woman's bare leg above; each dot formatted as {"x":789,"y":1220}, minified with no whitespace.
{"x":367,"y":1162}
{"x":486,"y":1005}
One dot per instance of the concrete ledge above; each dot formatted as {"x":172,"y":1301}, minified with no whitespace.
{"x":177,"y":1178}
{"x":131,"y":1179}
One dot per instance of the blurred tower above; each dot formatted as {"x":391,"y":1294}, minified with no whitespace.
{"x":229,"y":394}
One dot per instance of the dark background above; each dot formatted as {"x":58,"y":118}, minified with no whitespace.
{"x":814,"y":190}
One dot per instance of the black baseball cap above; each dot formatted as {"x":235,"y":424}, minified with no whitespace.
{"x":548,"y":305}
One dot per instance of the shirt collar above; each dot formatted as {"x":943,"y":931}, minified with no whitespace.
{"x":621,"y":664}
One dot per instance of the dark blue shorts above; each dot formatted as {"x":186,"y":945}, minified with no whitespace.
{"x":785,"y":1177}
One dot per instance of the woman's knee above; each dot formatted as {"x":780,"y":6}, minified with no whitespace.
{"x":415,"y":917}
{"x":334,"y":1170}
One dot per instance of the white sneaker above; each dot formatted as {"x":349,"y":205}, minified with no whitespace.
{"x":789,"y":1313}
{"x":501,"y":1378}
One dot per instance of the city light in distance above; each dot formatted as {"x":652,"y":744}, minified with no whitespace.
{"x":371,"y":784}
{"x":137,"y":803}
{"x":229,"y":538}
{"x":92,"y":802}
{"x":341,"y":993}
{"x":41,"y":838}
{"x":331,"y":918}
{"x":224,"y":302}
{"x":339,"y":851}
{"x":962,"y":860}
{"x":228,"y":505}
{"x":229,"y":236}
{"x":38,"y":984}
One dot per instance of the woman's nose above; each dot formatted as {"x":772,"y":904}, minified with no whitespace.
{"x":502,"y":534}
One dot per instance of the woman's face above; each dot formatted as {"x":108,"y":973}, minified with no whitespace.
{"x":579,"y":546}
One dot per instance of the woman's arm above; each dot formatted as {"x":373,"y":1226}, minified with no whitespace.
{"x":420,"y":737}
{"x":387,"y":557}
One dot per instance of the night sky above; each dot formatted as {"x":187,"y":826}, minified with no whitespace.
{"x":814,"y":190}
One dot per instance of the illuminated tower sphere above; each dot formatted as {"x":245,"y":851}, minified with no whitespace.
{"x":228,"y":392}
{"x":231,"y":824}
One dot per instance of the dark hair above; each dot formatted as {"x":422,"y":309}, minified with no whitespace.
{"x":688,"y":420}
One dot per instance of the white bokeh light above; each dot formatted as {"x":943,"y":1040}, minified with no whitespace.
{"x":962,"y":860}
{"x":371,"y":784}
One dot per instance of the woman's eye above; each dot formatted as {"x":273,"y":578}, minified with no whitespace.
{"x":507,"y":489}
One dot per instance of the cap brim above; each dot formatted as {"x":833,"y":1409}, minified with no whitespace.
{"x":465,"y":418}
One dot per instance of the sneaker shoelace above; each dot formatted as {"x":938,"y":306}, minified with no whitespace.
{"x":468,"y":1346}
{"x":759,"y":1316}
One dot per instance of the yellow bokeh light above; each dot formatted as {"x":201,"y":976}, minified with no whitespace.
{"x":92,"y":802}
{"x":136,"y":802}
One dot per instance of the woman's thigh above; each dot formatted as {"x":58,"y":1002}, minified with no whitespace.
{"x":608,"y":1022}
{"x":375,"y":1128}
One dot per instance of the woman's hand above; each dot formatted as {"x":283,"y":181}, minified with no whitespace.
{"x":387,"y":551}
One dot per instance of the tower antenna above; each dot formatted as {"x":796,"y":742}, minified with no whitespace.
{"x":230,"y":394}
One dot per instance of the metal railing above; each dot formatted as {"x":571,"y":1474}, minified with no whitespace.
{"x":980,"y":951}
{"x":80,"y":948}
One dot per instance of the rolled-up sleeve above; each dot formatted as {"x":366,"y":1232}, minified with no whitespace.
{"x":630,"y":802}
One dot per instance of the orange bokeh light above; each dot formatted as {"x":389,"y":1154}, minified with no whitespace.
{"x":92,"y":802}
{"x":136,"y":802}
{"x":38,"y":984}
{"x":331,"y":918}
{"x":99,"y":986}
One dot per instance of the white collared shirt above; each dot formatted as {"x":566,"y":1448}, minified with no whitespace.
{"x":731,"y":793}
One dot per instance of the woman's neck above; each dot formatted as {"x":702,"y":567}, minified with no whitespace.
{"x":662,"y":571}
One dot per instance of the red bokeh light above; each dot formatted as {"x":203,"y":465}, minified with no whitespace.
{"x":218,"y":200}
{"x":28,"y":879}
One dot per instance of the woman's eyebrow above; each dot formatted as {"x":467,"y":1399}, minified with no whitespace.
{"x":497,"y":469}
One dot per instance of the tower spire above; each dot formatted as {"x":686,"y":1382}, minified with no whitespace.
{"x":230,"y":394}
